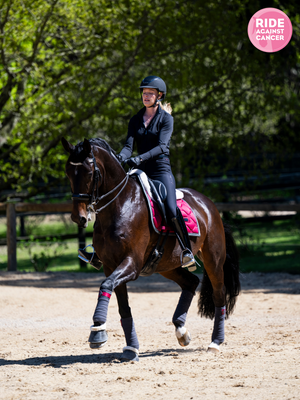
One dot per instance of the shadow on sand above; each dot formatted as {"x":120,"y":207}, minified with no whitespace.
{"x":265,"y":282}
{"x":65,"y":361}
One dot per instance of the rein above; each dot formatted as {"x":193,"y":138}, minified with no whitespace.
{"x":93,"y":200}
{"x":102,"y":197}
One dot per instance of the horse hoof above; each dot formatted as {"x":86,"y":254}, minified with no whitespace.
{"x":97,"y":338}
{"x":213,"y":348}
{"x":183,"y":336}
{"x":130,"y":354}
{"x":97,"y":345}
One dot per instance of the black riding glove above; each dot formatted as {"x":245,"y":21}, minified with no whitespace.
{"x":134,"y":162}
{"x":121,"y":157}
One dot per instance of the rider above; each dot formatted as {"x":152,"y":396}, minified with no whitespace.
{"x":151,"y":129}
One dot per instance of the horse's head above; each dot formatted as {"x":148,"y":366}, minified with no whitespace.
{"x":80,"y":171}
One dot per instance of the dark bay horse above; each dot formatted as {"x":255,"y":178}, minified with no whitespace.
{"x":124,"y":238}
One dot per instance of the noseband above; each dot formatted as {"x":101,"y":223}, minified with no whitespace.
{"x":92,"y":198}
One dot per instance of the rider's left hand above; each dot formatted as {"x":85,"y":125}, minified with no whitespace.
{"x":121,"y":157}
{"x":134,"y":162}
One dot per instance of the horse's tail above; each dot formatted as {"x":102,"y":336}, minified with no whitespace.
{"x":231,"y":281}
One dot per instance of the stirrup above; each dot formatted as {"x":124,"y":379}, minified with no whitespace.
{"x":82,"y":256}
{"x":187,"y":260}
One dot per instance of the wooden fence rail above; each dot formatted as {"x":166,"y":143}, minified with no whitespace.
{"x":12,"y":209}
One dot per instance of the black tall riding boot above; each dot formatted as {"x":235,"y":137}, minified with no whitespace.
{"x":187,"y":257}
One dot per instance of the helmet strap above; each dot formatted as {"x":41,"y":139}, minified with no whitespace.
{"x":156,"y":102}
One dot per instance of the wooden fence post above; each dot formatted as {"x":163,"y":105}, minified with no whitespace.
{"x":11,"y":237}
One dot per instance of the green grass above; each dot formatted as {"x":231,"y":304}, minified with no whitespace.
{"x":268,"y":246}
{"x":45,"y":225}
{"x":58,"y":256}
{"x":65,"y":258}
{"x":263,"y":246}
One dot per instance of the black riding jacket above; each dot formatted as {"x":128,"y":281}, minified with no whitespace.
{"x":151,"y":141}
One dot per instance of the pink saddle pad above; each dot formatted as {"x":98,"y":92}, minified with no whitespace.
{"x":187,"y":213}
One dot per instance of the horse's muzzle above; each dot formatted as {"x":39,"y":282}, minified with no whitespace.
{"x":80,"y":220}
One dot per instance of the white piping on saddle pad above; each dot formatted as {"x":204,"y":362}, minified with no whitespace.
{"x":179,"y":194}
{"x":144,"y":178}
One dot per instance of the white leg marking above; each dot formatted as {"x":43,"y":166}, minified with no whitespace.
{"x":183,"y":336}
{"x":214,"y":348}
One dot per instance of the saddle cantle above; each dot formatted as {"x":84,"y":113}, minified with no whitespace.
{"x":155,"y":193}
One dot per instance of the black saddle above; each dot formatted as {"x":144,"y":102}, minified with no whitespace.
{"x":159,"y":195}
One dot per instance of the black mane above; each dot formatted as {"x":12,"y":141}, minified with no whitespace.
{"x":79,"y":155}
{"x":103,"y":144}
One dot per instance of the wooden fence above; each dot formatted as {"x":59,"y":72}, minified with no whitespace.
{"x":12,"y":209}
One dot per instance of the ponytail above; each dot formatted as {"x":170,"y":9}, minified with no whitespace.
{"x":166,"y":107}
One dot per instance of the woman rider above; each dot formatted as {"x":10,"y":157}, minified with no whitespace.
{"x":151,"y":129}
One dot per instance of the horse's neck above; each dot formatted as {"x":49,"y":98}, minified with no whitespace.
{"x":111,"y":171}
{"x":119,"y":207}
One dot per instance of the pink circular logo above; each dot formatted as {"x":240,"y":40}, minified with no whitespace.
{"x":270,"y":30}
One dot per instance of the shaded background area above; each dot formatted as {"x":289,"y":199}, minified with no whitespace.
{"x":266,"y":283}
{"x":72,"y":68}
{"x":265,"y":244}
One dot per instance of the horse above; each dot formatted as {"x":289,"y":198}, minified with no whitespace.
{"x":123,"y":239}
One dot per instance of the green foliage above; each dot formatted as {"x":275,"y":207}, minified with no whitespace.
{"x":268,"y":246}
{"x":42,"y":257}
{"x":72,"y":68}
{"x":263,"y":247}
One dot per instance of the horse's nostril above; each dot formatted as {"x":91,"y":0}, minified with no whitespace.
{"x":82,"y":221}
{"x":79,"y":220}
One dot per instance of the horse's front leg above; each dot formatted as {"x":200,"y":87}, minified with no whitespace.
{"x":131,"y":350}
{"x":125,"y":272}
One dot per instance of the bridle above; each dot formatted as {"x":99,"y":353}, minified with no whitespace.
{"x":93,"y":198}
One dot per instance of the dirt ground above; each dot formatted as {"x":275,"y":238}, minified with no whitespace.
{"x":44,"y":354}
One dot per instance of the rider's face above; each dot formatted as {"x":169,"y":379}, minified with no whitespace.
{"x":150,"y":96}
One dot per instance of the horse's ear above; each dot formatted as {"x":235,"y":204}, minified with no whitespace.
{"x":86,"y":146}
{"x":67,"y":146}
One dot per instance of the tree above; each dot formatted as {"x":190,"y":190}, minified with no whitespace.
{"x":72,"y":68}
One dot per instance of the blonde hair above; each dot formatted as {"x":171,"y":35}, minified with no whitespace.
{"x":167,"y":107}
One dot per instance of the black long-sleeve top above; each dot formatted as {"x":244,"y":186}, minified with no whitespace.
{"x":151,"y":141}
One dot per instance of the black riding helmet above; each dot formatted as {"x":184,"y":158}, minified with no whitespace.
{"x":154,"y":82}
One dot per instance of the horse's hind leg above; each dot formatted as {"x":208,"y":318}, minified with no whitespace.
{"x":188,"y":283}
{"x":130,"y":351}
{"x":213,"y":294}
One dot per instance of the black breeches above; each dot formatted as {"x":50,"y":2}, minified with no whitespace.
{"x":160,"y":170}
